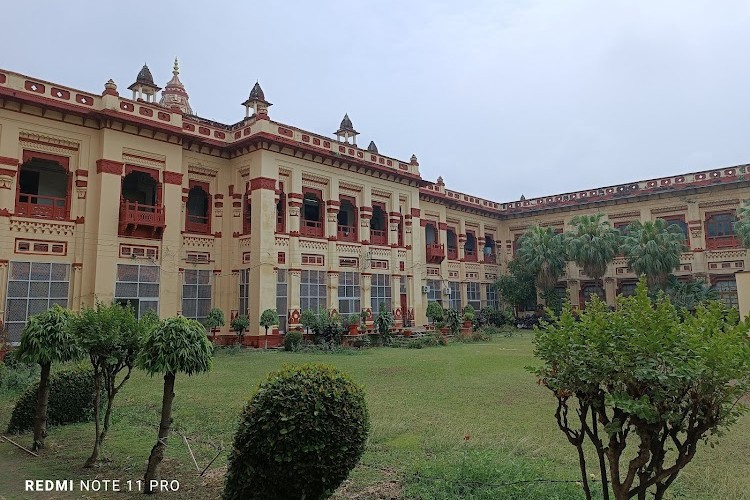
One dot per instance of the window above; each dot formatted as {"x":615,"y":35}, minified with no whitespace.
{"x":470,"y":247}
{"x":349,"y":293}
{"x":436,"y":292}
{"x":247,"y":217}
{"x":380,"y":291}
{"x":312,"y":214}
{"x":198,"y":209}
{"x":489,"y":249}
{"x":430,"y":234}
{"x":138,"y":286}
{"x":281,"y":298}
{"x":347,"y":220}
{"x":196,"y":293}
{"x":454,"y":299}
{"x":313,"y":290}
{"x":43,"y":185}
{"x":491,"y":292}
{"x":141,"y":213}
{"x":591,"y":289}
{"x":727,"y":290}
{"x":627,"y":289}
{"x":679,"y":220}
{"x":473,"y":297}
{"x":378,"y":225}
{"x":622,"y":227}
{"x":34,"y":287}
{"x":281,"y":212}
{"x":451,"y":243}
{"x":244,"y":292}
{"x":720,"y":230}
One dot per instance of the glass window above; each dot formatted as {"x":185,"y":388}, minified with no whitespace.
{"x":244,"y":292}
{"x":473,"y":297}
{"x":727,"y":290}
{"x":454,"y":299}
{"x":719,"y":225}
{"x":138,"y":286}
{"x":313,"y":290}
{"x":436,"y":291}
{"x":33,"y":288}
{"x":282,"y":294}
{"x":349,"y":293}
{"x":380,"y":291}
{"x":196,"y":293}
{"x":491,"y":292}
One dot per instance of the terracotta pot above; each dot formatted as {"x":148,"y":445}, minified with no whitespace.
{"x":407,"y":333}
{"x":353,"y":329}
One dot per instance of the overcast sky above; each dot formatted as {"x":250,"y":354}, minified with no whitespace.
{"x":499,"y":98}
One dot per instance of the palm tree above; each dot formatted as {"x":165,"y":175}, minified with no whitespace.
{"x":653,"y":249}
{"x":542,"y":252}
{"x":592,"y":244}
{"x":690,"y":294}
{"x":742,"y":226}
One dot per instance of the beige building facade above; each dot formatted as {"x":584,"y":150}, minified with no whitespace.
{"x":134,"y":198}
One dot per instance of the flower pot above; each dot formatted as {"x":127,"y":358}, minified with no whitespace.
{"x":353,"y":329}
{"x":468,"y":324}
{"x":407,"y":333}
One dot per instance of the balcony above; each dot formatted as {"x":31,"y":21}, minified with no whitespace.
{"x":435,"y":253}
{"x":719,"y":242}
{"x":197,"y":224}
{"x":42,"y":207}
{"x":346,"y":233}
{"x":141,"y":220}
{"x":378,"y":237}
{"x":470,"y":255}
{"x":452,"y":253}
{"x":312,"y":228}
{"x":490,"y":258}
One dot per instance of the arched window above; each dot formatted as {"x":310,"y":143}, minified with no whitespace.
{"x":451,"y":244}
{"x":198,"y":209}
{"x":378,"y":225}
{"x":347,"y":220}
{"x":312,"y":214}
{"x":430,"y":234}
{"x":434,"y":251}
{"x":141,"y":213}
{"x":44,"y":184}
{"x":470,"y":247}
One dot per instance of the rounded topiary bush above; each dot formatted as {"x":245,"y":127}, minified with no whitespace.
{"x":71,"y":399}
{"x":292,"y":340}
{"x":299,"y":436}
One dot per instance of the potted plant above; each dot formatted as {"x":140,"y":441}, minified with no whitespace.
{"x":350,"y":323}
{"x":384,"y":322}
{"x":434,"y":313}
{"x":269,"y":317}
{"x":469,"y":316}
{"x":214,"y":321}
{"x":363,"y":324}
{"x":453,"y":321}
{"x":239,"y":325}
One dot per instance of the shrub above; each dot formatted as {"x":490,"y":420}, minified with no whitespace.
{"x":292,"y":340}
{"x":299,"y":436}
{"x":3,"y":374}
{"x":71,"y":400}
{"x":17,"y":377}
{"x":434,"y":312}
{"x":469,"y":313}
{"x":453,"y":320}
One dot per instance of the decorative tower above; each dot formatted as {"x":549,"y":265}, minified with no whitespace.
{"x":346,"y":130}
{"x":144,"y":87}
{"x":372,"y":148}
{"x":257,"y":102}
{"x":174,"y":96}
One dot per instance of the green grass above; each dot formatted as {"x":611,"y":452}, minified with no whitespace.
{"x":422,"y":403}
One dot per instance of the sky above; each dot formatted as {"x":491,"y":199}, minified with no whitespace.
{"x":499,"y":98}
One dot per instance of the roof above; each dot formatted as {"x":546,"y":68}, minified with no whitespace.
{"x":145,"y":78}
{"x":346,"y":125}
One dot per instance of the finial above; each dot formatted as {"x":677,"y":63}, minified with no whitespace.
{"x":440,"y":181}
{"x":414,"y":160}
{"x":176,"y":69}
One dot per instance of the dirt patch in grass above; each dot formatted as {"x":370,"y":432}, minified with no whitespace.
{"x":389,"y":488}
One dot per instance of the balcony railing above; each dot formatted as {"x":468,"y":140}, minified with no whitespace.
{"x":42,"y":207}
{"x":197,"y":224}
{"x":311,"y":228}
{"x":347,"y":233}
{"x":134,"y":215}
{"x":435,"y":253}
{"x":717,"y":242}
{"x":378,"y":237}
{"x":490,"y":258}
{"x":452,"y":253}
{"x":470,"y":255}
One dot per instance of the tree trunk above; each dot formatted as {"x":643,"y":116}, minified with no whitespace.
{"x":97,"y":405}
{"x":157,"y":452}
{"x":40,"y":417}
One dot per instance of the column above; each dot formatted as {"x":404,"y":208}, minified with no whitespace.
{"x":366,"y":282}
{"x":333,"y":291}
{"x":293,"y":302}
{"x":104,"y":262}
{"x":169,"y":279}
{"x":398,"y":313}
{"x":610,"y":291}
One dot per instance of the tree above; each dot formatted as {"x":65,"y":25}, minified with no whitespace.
{"x":214,"y":320}
{"x":517,"y":287}
{"x":384,"y":322}
{"x":434,"y":312}
{"x":239,"y":325}
{"x":742,"y":226}
{"x":689,"y":294}
{"x":653,"y":249}
{"x":592,"y":244}
{"x":177,"y":345}
{"x":46,"y":339}
{"x":269,"y":317}
{"x":642,"y":378}
{"x":309,"y":320}
{"x":111,"y":336}
{"x":542,"y":252}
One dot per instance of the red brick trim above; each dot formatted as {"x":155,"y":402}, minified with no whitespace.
{"x":293,"y":196}
{"x":262,"y":183}
{"x":173,"y":178}
{"x":6,"y":160}
{"x":443,"y":226}
{"x":82,"y":173}
{"x":109,"y":167}
{"x":8,"y":172}
{"x":415,"y":212}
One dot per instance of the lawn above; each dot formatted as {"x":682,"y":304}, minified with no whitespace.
{"x":423,"y":405}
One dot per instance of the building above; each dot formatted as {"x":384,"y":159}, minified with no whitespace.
{"x":136,"y":199}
